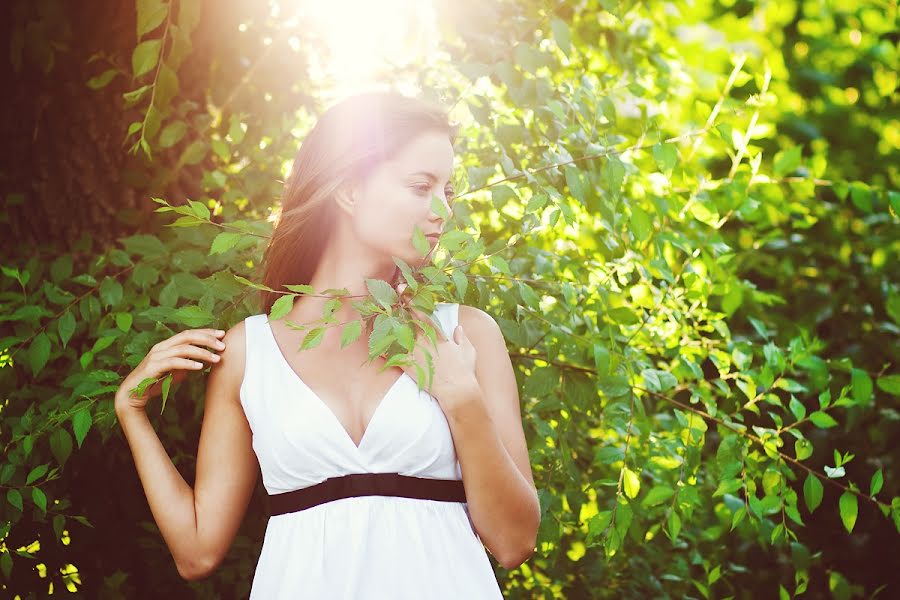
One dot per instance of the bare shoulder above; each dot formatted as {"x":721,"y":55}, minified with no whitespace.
{"x":479,"y":323}
{"x":230,"y":368}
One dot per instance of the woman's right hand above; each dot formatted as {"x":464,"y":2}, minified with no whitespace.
{"x":172,"y":354}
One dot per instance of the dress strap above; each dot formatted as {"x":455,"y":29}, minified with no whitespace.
{"x":367,"y":484}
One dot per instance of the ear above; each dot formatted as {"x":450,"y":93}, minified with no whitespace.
{"x":345,"y":197}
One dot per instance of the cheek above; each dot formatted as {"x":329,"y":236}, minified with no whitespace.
{"x":387,"y":218}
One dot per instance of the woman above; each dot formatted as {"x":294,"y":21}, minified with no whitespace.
{"x":452,"y":463}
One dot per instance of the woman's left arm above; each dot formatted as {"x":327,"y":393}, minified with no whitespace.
{"x":486,"y":424}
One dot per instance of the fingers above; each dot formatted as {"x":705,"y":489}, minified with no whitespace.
{"x":205,"y":337}
{"x":184,"y":351}
{"x":189,"y":351}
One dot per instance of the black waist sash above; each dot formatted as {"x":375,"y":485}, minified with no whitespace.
{"x":367,"y":484}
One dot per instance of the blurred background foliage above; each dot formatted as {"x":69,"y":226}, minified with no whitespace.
{"x":686,"y":222}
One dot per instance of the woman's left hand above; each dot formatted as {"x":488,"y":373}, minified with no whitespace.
{"x":454,"y":379}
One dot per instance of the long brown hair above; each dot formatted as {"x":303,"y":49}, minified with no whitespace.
{"x":350,"y":139}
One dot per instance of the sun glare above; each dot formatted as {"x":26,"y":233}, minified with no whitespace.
{"x":361,"y":38}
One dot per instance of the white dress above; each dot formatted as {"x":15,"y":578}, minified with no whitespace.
{"x":363,"y":547}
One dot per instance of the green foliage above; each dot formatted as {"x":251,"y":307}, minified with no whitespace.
{"x":691,"y":253}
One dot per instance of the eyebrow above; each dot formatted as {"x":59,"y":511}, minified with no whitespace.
{"x":430,"y":176}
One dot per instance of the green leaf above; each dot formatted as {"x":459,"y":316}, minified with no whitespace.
{"x":631,"y":483}
{"x":609,"y":454}
{"x":81,"y":423}
{"x":301,"y":288}
{"x":351,"y":332}
{"x":188,"y":15}
{"x":380,"y":340}
{"x":167,"y":87}
{"x":803,"y":449}
{"x":254,"y":285}
{"x":36,"y":473}
{"x":419,"y":242}
{"x":536,"y":203}
{"x":822,"y":419}
{"x":200,"y":210}
{"x":848,"y":509}
{"x":601,"y":360}
{"x":438,"y":207}
{"x":613,"y":168}
{"x":312,"y":338}
{"x":597,"y":524}
{"x":193,"y":153}
{"x":236,"y":129}
{"x":192,"y":316}
{"x":110,"y":292}
{"x":172,"y":133}
{"x":145,"y":56}
{"x":124,"y":321}
{"x":861,"y":196}
{"x":674,"y":525}
{"x":575,"y":181}
{"x":797,"y":408}
{"x":224,"y":242}
{"x":281,"y":307}
{"x":561,"y":35}
{"x":461,"y":282}
{"x":383,"y":293}
{"x":38,"y":353}
{"x":133,"y":97}
{"x":895,"y":512}
{"x":166,"y":384}
{"x":666,"y":156}
{"x":61,"y":268}
{"x":861,"y":386}
{"x":102,"y":80}
{"x":876,"y":483}
{"x":812,"y":492}
{"x":777,"y":534}
{"x":889,"y":384}
{"x":658,"y":381}
{"x":657,"y":495}
{"x":39,"y":499}
{"x":728,"y":486}
{"x":786,"y":161}
{"x":148,"y":246}
{"x":59,"y":522}
{"x":499,"y":263}
{"x":641,"y":223}
{"x":6,"y":564}
{"x":14,"y":497}
{"x":61,"y":445}
{"x":405,"y":336}
{"x":150,"y":13}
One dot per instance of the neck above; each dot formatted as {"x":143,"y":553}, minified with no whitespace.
{"x":349,"y":273}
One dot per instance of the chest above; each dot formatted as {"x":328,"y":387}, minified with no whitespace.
{"x":349,"y":386}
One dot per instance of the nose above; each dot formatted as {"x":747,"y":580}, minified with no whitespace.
{"x":434,"y":217}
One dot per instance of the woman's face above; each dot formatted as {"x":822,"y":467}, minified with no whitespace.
{"x":397,"y":196}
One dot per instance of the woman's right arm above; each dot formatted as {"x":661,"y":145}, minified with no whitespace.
{"x":199,"y":524}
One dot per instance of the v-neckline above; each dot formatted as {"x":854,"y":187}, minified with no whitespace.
{"x":283,"y":359}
